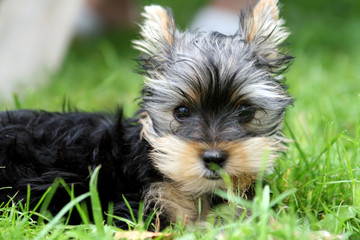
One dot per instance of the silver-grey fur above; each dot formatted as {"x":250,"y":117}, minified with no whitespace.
{"x":201,"y":62}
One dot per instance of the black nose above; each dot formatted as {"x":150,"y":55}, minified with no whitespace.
{"x":214,"y":156}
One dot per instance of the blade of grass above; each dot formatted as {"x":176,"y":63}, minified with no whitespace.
{"x":38,"y":204}
{"x":72,"y":195}
{"x":95,"y":202}
{"x":350,"y":171}
{"x":298,"y":147}
{"x":149,"y":219}
{"x":48,"y":198}
{"x":125,"y":220}
{"x":58,"y":217}
{"x":130,"y":209}
{"x":140,"y":216}
{"x":81,"y":209}
{"x":110,"y":213}
{"x":328,"y":146}
{"x":17,"y":101}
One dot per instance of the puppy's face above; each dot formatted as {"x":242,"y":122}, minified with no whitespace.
{"x":213,"y":103}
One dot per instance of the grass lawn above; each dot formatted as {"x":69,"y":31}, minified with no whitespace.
{"x":314,"y":187}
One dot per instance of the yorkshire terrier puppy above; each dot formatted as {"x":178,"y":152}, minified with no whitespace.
{"x":211,"y":105}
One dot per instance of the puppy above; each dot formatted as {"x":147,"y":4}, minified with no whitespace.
{"x":212,"y":106}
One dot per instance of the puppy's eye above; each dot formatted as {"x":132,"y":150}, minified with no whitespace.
{"x":181,"y":113}
{"x":246,"y":114}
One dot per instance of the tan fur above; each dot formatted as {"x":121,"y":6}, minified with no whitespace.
{"x":250,"y":155}
{"x":157,"y":30}
{"x":166,"y":198}
{"x":263,"y":6}
{"x":160,"y":15}
{"x":180,"y":161}
{"x":258,"y":15}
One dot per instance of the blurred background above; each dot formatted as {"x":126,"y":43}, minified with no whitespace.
{"x":89,"y":63}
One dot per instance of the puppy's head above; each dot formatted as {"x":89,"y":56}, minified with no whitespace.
{"x":212,"y":101}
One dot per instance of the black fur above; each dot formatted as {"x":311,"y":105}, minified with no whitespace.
{"x":38,"y":147}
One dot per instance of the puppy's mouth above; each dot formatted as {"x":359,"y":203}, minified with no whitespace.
{"x":212,"y":175}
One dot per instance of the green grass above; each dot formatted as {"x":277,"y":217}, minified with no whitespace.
{"x":315,"y":185}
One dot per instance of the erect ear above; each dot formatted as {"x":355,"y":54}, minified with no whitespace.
{"x":157,"y":31}
{"x":265,"y":29}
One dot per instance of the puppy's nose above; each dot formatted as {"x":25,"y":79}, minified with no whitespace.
{"x":213,"y":156}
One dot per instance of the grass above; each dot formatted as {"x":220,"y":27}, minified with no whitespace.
{"x":315,"y":185}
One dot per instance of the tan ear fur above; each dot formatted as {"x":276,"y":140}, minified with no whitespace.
{"x":266,"y":4}
{"x":159,"y":16}
{"x":264,"y":16}
{"x":157,"y":30}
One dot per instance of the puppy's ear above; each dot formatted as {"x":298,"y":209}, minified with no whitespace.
{"x":157,"y":31}
{"x":264,"y":29}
